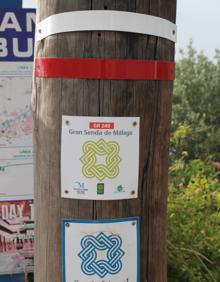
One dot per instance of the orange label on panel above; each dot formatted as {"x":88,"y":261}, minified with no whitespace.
{"x":101,"y":125}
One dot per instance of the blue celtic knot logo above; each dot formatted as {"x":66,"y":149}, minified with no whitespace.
{"x":91,"y":264}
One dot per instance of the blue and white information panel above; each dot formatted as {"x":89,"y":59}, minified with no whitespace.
{"x":101,"y":251}
{"x":17,"y":28}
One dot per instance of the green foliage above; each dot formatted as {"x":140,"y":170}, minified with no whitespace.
{"x":194,"y":222}
{"x":196,"y":105}
{"x":194,"y":198}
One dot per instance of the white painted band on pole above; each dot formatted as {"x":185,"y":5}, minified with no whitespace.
{"x":102,"y":20}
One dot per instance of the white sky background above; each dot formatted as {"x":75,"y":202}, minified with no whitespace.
{"x":198,"y":20}
{"x":29,"y":3}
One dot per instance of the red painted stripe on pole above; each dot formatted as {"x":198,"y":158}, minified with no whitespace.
{"x":115,"y":69}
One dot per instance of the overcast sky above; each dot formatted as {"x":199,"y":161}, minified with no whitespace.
{"x":198,"y":20}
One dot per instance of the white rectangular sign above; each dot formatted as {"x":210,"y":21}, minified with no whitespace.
{"x":100,"y":157}
{"x":101,"y":251}
{"x":16,"y":153}
{"x":17,"y":28}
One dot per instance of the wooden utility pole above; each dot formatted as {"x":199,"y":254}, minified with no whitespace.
{"x":151,"y":100}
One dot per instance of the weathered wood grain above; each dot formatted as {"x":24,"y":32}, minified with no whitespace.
{"x":151,"y":100}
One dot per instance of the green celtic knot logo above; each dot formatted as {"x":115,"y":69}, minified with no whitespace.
{"x":92,"y":150}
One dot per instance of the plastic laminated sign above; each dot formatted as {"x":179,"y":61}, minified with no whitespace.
{"x":101,"y":250}
{"x":100,"y":157}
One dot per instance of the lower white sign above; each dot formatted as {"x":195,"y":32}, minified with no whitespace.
{"x":101,"y":250}
{"x":100,"y":157}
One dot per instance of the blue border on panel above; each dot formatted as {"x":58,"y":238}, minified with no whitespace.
{"x":10,"y":3}
{"x":12,"y":278}
{"x":104,"y":221}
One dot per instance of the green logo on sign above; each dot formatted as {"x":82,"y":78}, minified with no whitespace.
{"x":100,"y":188}
{"x":92,"y":151}
{"x":120,"y":189}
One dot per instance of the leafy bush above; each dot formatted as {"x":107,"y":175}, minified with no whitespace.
{"x":194,"y":197}
{"x":194,"y":222}
{"x":196,"y":104}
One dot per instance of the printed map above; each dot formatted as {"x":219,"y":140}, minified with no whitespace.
{"x":16,"y":165}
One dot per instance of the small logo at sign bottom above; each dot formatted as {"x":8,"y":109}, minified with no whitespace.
{"x":79,"y":187}
{"x":119,"y":189}
{"x":100,"y":189}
